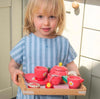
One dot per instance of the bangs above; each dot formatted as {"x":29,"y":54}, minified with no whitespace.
{"x":47,"y":7}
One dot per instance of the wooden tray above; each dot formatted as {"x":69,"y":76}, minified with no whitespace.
{"x":50,"y":91}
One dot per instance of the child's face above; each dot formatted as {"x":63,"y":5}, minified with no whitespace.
{"x":45,"y":25}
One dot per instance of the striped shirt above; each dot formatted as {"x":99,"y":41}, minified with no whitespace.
{"x":34,"y":51}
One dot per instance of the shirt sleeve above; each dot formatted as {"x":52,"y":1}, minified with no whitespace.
{"x":17,"y":52}
{"x":70,"y":53}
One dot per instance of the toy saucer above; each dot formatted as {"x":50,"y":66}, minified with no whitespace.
{"x":30,"y":77}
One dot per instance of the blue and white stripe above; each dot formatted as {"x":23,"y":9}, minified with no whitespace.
{"x":33,"y":51}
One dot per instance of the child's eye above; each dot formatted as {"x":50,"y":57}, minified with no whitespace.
{"x":40,"y":16}
{"x":52,"y":17}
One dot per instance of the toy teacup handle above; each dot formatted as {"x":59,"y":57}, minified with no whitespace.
{"x":81,"y":80}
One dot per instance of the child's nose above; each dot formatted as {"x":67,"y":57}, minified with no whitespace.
{"x":46,"y":21}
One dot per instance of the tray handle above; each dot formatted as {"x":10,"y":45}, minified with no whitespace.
{"x":21,"y":82}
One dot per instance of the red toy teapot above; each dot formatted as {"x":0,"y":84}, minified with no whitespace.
{"x":59,"y":70}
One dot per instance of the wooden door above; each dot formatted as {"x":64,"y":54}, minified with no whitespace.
{"x":10,"y":33}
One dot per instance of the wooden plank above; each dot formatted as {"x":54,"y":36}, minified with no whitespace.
{"x":44,"y":91}
{"x":5,"y":3}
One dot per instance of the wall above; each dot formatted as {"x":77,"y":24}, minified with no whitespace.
{"x":89,"y":53}
{"x":83,"y":31}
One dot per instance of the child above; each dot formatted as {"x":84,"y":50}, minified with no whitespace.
{"x":43,"y":46}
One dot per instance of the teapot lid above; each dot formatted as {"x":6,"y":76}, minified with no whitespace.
{"x":60,"y":68}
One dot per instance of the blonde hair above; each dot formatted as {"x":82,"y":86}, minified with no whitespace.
{"x":56,"y":6}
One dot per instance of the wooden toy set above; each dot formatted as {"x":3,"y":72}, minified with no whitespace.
{"x":51,"y":82}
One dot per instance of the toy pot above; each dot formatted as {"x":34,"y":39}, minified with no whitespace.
{"x":74,"y":82}
{"x":54,"y":79}
{"x":40,"y":73}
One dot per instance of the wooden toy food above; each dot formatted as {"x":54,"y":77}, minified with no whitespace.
{"x":65,"y":79}
{"x":49,"y":85}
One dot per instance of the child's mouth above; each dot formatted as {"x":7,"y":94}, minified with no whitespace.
{"x":46,"y":29}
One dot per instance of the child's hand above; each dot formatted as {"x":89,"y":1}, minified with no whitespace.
{"x":14,"y":71}
{"x":14,"y":75}
{"x":73,"y":70}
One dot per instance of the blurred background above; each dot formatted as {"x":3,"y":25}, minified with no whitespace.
{"x":82,"y":30}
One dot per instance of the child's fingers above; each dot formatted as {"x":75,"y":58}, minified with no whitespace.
{"x":16,"y":76}
{"x":20,"y":72}
{"x":15,"y":79}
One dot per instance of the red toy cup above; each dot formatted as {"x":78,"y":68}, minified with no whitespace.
{"x":54,"y":79}
{"x":74,"y":82}
{"x":40,"y":73}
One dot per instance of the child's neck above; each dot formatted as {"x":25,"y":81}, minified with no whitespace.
{"x":45,"y":36}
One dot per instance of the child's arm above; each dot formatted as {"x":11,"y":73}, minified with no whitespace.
{"x":14,"y":71}
{"x":73,"y":67}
